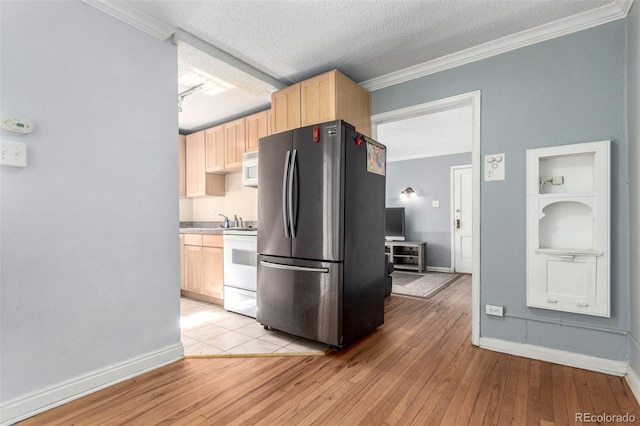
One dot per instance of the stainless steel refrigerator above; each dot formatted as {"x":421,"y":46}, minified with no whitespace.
{"x":321,"y":211}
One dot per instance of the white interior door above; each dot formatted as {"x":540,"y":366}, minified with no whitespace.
{"x":462,"y":219}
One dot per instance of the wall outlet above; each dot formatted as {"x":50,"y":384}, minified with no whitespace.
{"x":494,"y":310}
{"x":212,"y":213}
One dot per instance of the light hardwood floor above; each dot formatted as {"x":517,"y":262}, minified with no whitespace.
{"x":419,"y":368}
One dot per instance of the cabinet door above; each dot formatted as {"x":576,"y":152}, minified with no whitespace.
{"x":234,"y":144}
{"x":182,"y":287}
{"x":195,"y":172}
{"x":285,"y":107}
{"x":213,"y":272}
{"x":193,"y":271}
{"x":353,"y":103}
{"x":214,"y":138}
{"x":257,"y":127}
{"x":182,"y":177}
{"x":318,"y":99}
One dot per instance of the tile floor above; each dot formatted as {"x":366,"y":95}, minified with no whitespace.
{"x":208,"y":329}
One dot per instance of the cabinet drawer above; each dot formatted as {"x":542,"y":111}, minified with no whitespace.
{"x":212,"y":240}
{"x":192,"y":239}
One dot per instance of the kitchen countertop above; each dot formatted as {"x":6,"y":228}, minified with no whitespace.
{"x":208,"y":231}
{"x":212,"y":231}
{"x":211,"y":228}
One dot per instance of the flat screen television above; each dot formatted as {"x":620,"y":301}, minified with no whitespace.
{"x":394,"y":224}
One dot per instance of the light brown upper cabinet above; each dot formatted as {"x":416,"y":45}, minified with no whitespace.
{"x":234,"y":144}
{"x":285,"y":107}
{"x":257,"y":127}
{"x":198,"y":182}
{"x":214,"y":139}
{"x":329,"y":96}
{"x":182,"y":177}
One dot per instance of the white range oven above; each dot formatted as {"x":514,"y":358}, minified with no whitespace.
{"x":240,"y":271}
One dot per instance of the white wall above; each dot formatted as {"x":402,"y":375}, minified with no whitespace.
{"x":238,"y":199}
{"x":88,"y":231}
{"x":633,"y":112}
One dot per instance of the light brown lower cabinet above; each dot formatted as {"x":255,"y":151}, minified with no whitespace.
{"x":181,"y":262}
{"x":203,"y":272}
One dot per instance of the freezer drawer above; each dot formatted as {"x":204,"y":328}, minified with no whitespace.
{"x":303,"y":298}
{"x":240,"y":301}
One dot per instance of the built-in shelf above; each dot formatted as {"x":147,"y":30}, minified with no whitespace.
{"x":566,"y":195}
{"x":568,"y":228}
{"x":568,"y":252}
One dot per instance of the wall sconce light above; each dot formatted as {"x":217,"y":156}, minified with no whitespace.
{"x":408,"y":193}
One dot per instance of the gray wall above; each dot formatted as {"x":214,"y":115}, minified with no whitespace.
{"x":633,"y":37}
{"x":563,"y":91}
{"x":431,"y":179}
{"x":90,"y":265}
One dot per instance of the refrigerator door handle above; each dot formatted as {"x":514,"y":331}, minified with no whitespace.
{"x":285,"y":213}
{"x":293,"y":268}
{"x":293,"y":181}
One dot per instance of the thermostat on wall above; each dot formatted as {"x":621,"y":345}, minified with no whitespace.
{"x":18,"y":125}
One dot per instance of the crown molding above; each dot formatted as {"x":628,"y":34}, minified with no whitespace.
{"x":588,"y":19}
{"x":133,"y":17}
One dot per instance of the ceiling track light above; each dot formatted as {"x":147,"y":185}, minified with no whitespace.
{"x":186,"y":93}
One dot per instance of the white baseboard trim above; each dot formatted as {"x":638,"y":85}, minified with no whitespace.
{"x":438,"y":269}
{"x":37,"y":402}
{"x":632,"y":376}
{"x":634,"y":383}
{"x":571,"y":359}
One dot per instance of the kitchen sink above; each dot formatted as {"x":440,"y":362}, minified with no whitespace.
{"x":237,"y":228}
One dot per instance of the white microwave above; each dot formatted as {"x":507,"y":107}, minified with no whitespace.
{"x":250,"y":169}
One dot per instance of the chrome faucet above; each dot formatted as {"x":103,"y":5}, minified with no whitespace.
{"x":226,"y":221}
{"x":237,"y":223}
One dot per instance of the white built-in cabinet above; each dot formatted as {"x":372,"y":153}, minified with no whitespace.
{"x":568,"y":254}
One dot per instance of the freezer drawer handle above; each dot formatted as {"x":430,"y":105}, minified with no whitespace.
{"x":285,"y":215}
{"x":293,"y":268}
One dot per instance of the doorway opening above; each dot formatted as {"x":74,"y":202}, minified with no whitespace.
{"x":467,"y":100}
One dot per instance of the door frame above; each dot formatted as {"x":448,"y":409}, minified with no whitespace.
{"x":452,"y":217}
{"x":466,"y":99}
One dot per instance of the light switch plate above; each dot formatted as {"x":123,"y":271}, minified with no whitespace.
{"x":494,"y":167}
{"x":435,"y":203}
{"x":13,"y":154}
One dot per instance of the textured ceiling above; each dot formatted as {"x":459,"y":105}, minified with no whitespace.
{"x":440,"y":133}
{"x":295,"y":40}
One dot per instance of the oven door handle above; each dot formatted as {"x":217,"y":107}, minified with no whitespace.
{"x":293,"y":268}
{"x":242,"y":238}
